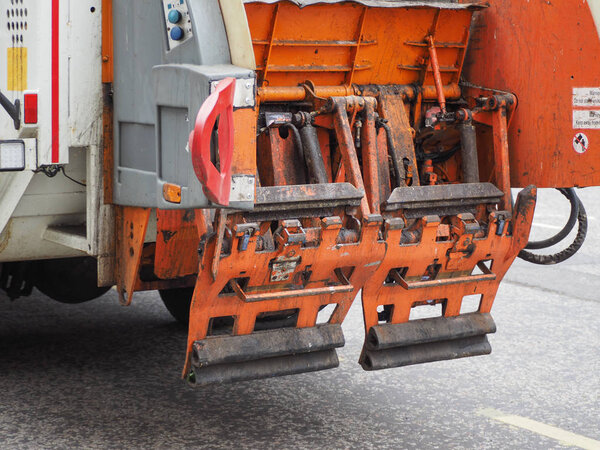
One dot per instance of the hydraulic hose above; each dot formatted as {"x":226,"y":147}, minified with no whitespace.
{"x":574,"y":200}
{"x":571,"y":249}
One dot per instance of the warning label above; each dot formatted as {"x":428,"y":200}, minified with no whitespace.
{"x":586,"y":119}
{"x":580,"y":143}
{"x":586,"y":96}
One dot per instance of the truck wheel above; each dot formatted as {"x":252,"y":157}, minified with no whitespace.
{"x":69,"y":280}
{"x":178,"y":303}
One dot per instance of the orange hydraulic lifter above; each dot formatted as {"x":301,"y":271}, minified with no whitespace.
{"x":373,"y":165}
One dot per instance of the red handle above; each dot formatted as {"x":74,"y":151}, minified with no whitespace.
{"x":216,"y":183}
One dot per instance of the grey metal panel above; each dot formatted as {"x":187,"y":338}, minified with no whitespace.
{"x":149,"y":149}
{"x":173,"y":133}
{"x":137,"y":48}
{"x":209,"y":45}
{"x":188,"y":87}
{"x":138,"y":138}
{"x":135,"y":187}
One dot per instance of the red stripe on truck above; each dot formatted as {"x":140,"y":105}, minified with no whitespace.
{"x":55,"y":82}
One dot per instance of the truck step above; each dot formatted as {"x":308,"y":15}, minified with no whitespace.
{"x":427,"y":340}
{"x":265,"y":354}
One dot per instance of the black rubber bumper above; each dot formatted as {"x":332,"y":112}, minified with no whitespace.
{"x":265,"y":354}
{"x":427,"y":340}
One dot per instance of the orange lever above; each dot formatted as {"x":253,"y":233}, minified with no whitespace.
{"x":216,"y":183}
{"x":437,"y":77}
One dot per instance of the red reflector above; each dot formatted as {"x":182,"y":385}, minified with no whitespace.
{"x":30,"y":108}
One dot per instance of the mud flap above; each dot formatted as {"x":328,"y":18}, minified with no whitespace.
{"x":265,"y":354}
{"x":427,"y":340}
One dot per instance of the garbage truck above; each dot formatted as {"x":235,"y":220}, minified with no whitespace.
{"x":263,"y":163}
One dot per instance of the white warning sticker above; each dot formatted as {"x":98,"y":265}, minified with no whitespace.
{"x":580,"y":143}
{"x":586,"y":96}
{"x":586,"y":119}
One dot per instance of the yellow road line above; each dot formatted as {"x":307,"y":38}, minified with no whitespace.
{"x":563,"y":436}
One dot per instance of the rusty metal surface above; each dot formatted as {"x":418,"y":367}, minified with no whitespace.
{"x":265,"y":354}
{"x":265,"y":368}
{"x":299,"y":197}
{"x":455,"y":258}
{"x":266,"y":344}
{"x":401,"y":138}
{"x":176,"y":238}
{"x":424,"y":353}
{"x":423,"y":331}
{"x":470,"y":163}
{"x":313,"y":154}
{"x":314,"y":277}
{"x":440,"y":196}
{"x":131,"y":231}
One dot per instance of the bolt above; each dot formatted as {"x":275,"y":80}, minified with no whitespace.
{"x":249,"y":196}
{"x":248,"y":85}
{"x":248,"y":100}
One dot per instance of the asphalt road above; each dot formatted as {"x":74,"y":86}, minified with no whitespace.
{"x":99,"y":375}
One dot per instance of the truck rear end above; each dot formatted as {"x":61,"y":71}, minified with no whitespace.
{"x":261,"y":164}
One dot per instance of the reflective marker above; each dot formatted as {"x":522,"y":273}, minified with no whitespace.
{"x":30,"y":108}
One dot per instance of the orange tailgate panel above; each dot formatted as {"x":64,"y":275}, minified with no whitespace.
{"x":540,"y":51}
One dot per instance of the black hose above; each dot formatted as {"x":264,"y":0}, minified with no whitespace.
{"x":570,"y":250}
{"x":574,"y":200}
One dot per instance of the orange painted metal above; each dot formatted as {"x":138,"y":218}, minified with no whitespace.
{"x":298,"y":93}
{"x":177,"y":241}
{"x":244,"y":141}
{"x":541,"y":136}
{"x":392,"y":108}
{"x":370,"y":159}
{"x":437,"y":76}
{"x":502,"y":167}
{"x":347,"y":149}
{"x":326,"y":266}
{"x":348,"y":43}
{"x":399,"y":281}
{"x":131,"y":228}
{"x":107,"y":110}
{"x":279,"y":162}
{"x":107,"y":42}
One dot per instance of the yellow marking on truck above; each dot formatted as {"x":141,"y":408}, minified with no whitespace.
{"x":563,"y":436}
{"x":16,"y":65}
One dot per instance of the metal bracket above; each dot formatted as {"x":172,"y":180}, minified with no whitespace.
{"x":242,"y":188}
{"x":244,"y":96}
{"x":13,"y":110}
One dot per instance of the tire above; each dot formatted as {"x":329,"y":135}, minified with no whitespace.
{"x":69,"y":280}
{"x":177,"y":302}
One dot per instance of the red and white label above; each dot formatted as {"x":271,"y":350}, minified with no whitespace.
{"x":580,"y":143}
